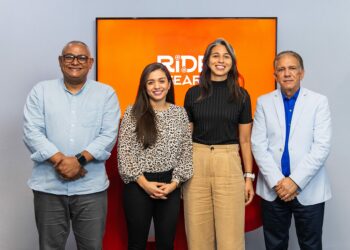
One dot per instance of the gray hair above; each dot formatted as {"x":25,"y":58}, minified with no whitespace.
{"x":291,"y":53}
{"x":75,"y":42}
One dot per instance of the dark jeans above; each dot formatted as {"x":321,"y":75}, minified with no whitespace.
{"x":53,"y":214}
{"x":277,"y":216}
{"x":140,"y":209}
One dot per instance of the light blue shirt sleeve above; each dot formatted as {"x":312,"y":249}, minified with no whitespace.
{"x":102,"y":145}
{"x":34,"y":127}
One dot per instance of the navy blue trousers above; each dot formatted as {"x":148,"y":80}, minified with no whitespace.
{"x":277,"y":217}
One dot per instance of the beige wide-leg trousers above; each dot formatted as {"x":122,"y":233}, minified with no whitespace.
{"x":214,"y":199}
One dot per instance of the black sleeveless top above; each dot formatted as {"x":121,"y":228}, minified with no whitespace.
{"x":215,"y":119}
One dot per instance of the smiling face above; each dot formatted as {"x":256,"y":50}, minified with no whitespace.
{"x":157,"y":87}
{"x":220,"y":63}
{"x":75,"y":71}
{"x":288,"y":73}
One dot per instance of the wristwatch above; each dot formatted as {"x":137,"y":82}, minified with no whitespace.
{"x":81,"y":159}
{"x":249,"y":175}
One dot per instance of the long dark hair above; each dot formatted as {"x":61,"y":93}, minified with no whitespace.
{"x":143,"y":112}
{"x":233,"y":76}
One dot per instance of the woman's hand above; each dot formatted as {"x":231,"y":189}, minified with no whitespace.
{"x":152,"y":188}
{"x":248,"y":191}
{"x":168,"y":187}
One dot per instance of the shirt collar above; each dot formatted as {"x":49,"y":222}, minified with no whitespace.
{"x":82,"y":88}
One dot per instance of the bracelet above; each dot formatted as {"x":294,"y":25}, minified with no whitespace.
{"x":249,"y":175}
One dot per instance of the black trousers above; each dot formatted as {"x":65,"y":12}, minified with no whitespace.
{"x":277,"y":216}
{"x":140,"y":209}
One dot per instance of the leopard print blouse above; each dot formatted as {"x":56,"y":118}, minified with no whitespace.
{"x":172,"y":150}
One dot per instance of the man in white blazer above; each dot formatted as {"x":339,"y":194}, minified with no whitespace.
{"x":291,"y":142}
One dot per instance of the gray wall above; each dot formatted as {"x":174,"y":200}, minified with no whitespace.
{"x":32,"y":34}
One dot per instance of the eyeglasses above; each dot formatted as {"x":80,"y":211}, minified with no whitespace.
{"x":69,"y":58}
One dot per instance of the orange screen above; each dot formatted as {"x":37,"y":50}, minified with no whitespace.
{"x":126,"y":46}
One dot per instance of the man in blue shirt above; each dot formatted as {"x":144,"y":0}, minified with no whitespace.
{"x":291,"y":142}
{"x":70,"y":128}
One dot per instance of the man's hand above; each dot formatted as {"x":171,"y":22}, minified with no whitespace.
{"x":56,"y":158}
{"x":286,"y":189}
{"x":69,"y":168}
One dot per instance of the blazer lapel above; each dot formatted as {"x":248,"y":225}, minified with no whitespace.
{"x":279,"y":107}
{"x":298,"y":110}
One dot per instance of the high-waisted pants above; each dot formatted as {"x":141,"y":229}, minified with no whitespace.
{"x":140,"y":208}
{"x":214,"y":199}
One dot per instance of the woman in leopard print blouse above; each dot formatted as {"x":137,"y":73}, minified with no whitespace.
{"x":154,"y":157}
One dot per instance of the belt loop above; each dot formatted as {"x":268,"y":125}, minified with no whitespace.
{"x":211,"y":148}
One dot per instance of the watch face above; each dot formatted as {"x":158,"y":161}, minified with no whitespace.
{"x":81,"y":159}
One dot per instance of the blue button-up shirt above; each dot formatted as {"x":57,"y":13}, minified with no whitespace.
{"x":56,"y":120}
{"x":289,"y":104}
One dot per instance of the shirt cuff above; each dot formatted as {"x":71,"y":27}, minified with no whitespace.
{"x":177,"y":182}
{"x":98,"y":154}
{"x":43,"y":155}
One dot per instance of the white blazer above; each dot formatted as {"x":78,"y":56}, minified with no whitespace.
{"x":309,"y":145}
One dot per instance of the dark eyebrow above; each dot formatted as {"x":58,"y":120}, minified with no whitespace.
{"x":161,"y":78}
{"x":226,"y":53}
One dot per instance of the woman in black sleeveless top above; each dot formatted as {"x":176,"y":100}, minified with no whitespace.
{"x":220,"y":113}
